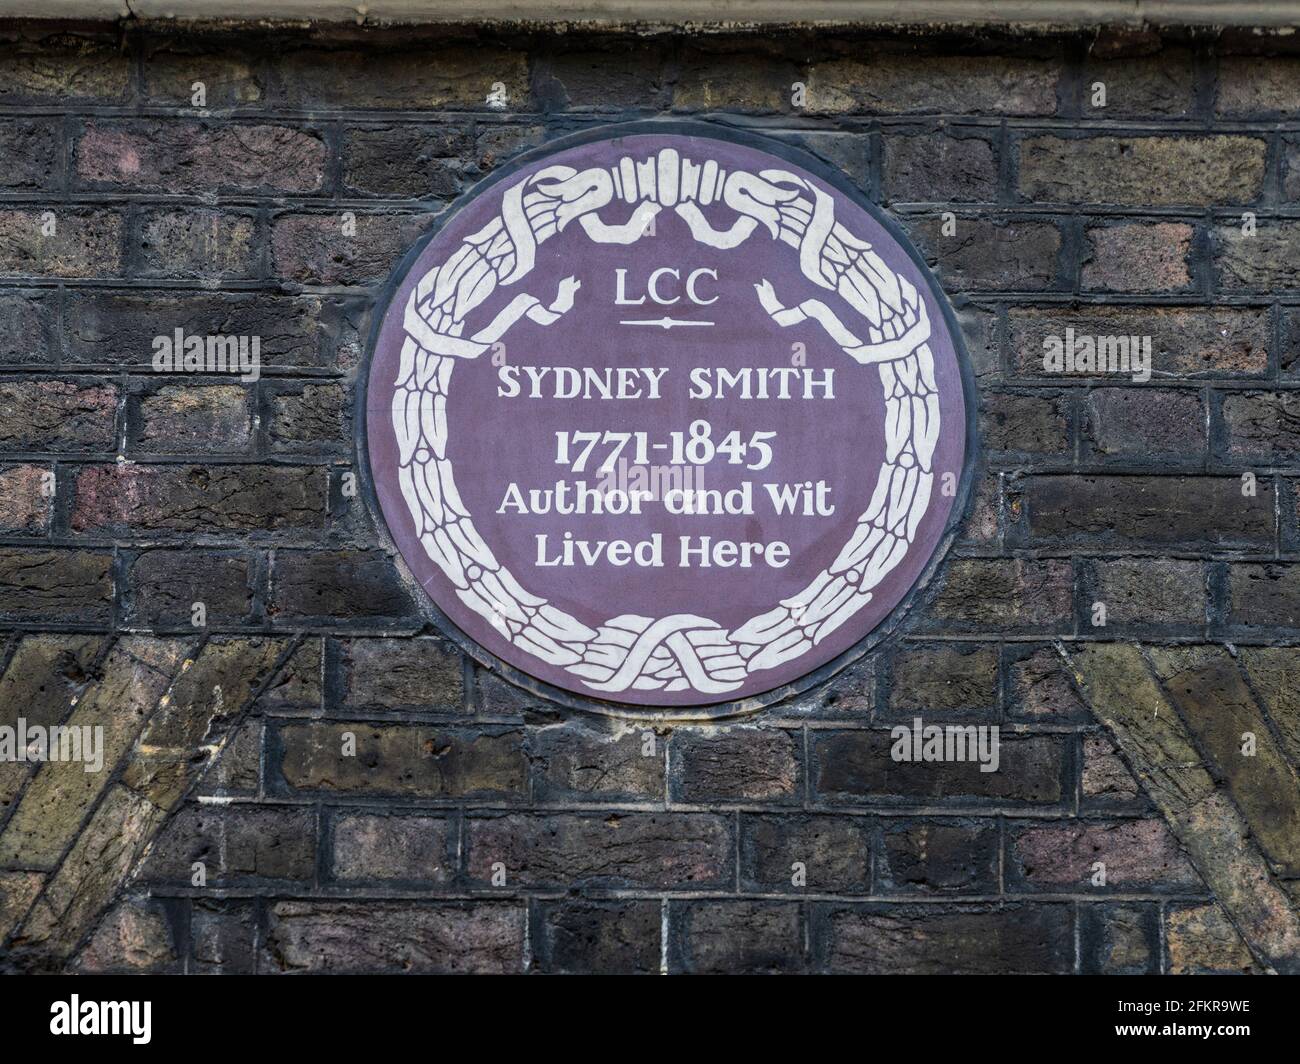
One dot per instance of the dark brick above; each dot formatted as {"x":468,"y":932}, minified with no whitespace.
{"x":299,"y":683}
{"x":1113,"y":511}
{"x":736,"y":765}
{"x":1138,"y":257}
{"x":1023,"y":423}
{"x":164,"y":585}
{"x":230,"y":78}
{"x":1142,"y":171}
{"x":1263,"y":426}
{"x":938,"y":168}
{"x":736,"y":937}
{"x":405,"y":78}
{"x":310,"y":419}
{"x":983,"y":524}
{"x":834,"y":851}
{"x":626,"y":75}
{"x":849,"y":152}
{"x":1161,"y":423}
{"x":27,"y":329}
{"x":1012,"y":594}
{"x":406,"y":849}
{"x":118,"y":328}
{"x":84,"y":243}
{"x":1264,"y":261}
{"x":184,"y":156}
{"x":912,"y":83}
{"x":198,"y":243}
{"x":1185,"y":341}
{"x":649,"y":851}
{"x":235,"y":843}
{"x":238,"y":769}
{"x":335,"y":587}
{"x":313,"y":248}
{"x":26,"y":498}
{"x":1291,"y":171}
{"x":1144,"y":77}
{"x":419,"y":674}
{"x":31,"y":148}
{"x":133,"y":937}
{"x":994,"y":256}
{"x":1119,"y":939}
{"x":223,"y":937}
{"x":943,"y":678}
{"x":1106,"y":780}
{"x":207,"y":499}
{"x":1013,"y":939}
{"x":715,"y":80}
{"x":615,"y":938}
{"x":401,"y":759}
{"x":856,"y":766}
{"x":189,"y":418}
{"x":849,"y":693}
{"x":417,"y":162}
{"x":939,"y":857}
{"x":1038,"y":687}
{"x":575,"y":762}
{"x":1146,"y":593}
{"x":53,"y":415}
{"x":1139,"y":856}
{"x":394,"y":937}
{"x":55,"y":585}
{"x":1258,"y":86}
{"x":63,"y":69}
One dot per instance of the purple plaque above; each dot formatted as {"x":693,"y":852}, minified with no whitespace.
{"x":666,"y":420}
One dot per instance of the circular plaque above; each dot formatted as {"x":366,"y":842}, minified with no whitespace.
{"x":666,"y":419}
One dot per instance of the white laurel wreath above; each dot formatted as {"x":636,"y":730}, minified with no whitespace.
{"x":682,"y":651}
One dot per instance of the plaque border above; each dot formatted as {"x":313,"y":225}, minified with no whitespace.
{"x":972,"y":465}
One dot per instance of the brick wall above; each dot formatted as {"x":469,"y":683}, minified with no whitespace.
{"x":127,"y":495}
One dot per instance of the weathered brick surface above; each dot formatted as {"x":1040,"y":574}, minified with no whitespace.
{"x":902,"y":84}
{"x":26,"y":498}
{"x":198,"y":243}
{"x":1185,"y":342}
{"x":894,"y":941}
{"x":1142,"y":171}
{"x":1124,"y":511}
{"x":938,"y":857}
{"x":189,"y":157}
{"x":203,"y":499}
{"x":856,"y":767}
{"x":394,"y":938}
{"x":760,"y":764}
{"x":1132,"y":855}
{"x":66,"y":243}
{"x":650,"y":851}
{"x":1138,"y":257}
{"x":57,"y":415}
{"x":792,"y":855}
{"x":736,"y":937}
{"x":401,"y":760}
{"x":360,"y":796}
{"x":582,"y":938}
